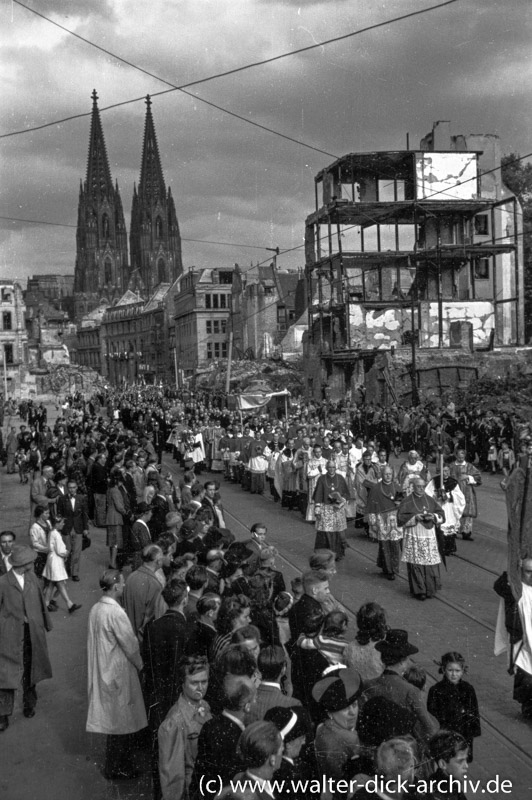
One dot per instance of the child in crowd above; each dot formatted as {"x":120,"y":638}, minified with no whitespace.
{"x":416,"y":676}
{"x":297,"y":588}
{"x":450,"y":753}
{"x":21,"y":460}
{"x":331,"y":641}
{"x":506,"y":459}
{"x":492,"y":456}
{"x":453,"y":701}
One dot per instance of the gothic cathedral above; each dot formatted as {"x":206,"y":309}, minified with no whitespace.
{"x":103,"y":272}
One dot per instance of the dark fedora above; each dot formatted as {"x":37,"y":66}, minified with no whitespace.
{"x":22,"y":555}
{"x":396,"y":645}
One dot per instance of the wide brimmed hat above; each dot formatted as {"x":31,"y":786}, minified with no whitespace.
{"x":338,"y":691}
{"x":22,"y":555}
{"x":396,"y":644}
{"x":292,"y":722}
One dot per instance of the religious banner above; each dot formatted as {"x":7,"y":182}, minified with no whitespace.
{"x":519,"y":508}
{"x":246,"y":402}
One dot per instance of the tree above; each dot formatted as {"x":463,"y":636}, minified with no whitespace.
{"x":518,"y":178}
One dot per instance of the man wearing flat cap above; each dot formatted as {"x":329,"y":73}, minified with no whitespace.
{"x":395,"y":652}
{"x":24,"y":621}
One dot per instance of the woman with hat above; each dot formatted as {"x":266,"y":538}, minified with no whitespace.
{"x":418,"y":515}
{"x":294,"y":726}
{"x":330,"y":499}
{"x":337,"y":742}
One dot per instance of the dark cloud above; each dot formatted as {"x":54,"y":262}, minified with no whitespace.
{"x":469,"y":63}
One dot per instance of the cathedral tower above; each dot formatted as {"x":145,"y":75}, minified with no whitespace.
{"x":155,"y":241}
{"x":101,"y":271}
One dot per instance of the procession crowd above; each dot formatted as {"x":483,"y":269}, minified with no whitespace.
{"x":197,"y":650}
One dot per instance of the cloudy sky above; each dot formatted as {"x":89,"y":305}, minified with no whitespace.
{"x":469,"y":62}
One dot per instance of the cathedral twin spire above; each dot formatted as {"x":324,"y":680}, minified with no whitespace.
{"x":102,"y":266}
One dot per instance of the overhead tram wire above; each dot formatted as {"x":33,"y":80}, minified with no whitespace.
{"x":218,"y":75}
{"x":183,"y":238}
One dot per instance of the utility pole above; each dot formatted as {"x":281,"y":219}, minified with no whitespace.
{"x":229,"y":358}
{"x":175,"y":369}
{"x":5,"y":371}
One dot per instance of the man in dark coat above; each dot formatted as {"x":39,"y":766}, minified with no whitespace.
{"x":73,"y":507}
{"x":7,"y":540}
{"x":315,"y":591}
{"x":23,"y":622}
{"x":163,"y":648}
{"x":218,"y":761}
{"x":395,"y":652}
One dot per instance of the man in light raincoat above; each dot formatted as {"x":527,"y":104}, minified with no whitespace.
{"x":116,"y":706}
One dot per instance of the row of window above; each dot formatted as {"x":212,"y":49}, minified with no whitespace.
{"x":392,"y":283}
{"x":216,"y":349}
{"x":216,"y":326}
{"x":216,"y":301}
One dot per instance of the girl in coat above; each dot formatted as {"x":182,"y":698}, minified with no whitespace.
{"x":453,"y":701}
{"x":55,"y":570}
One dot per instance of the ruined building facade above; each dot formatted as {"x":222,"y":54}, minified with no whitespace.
{"x":411,"y":255}
{"x":103,"y":271}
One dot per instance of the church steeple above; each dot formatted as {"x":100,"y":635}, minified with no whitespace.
{"x":151,"y":183}
{"x":155,"y":242}
{"x":101,"y":270}
{"x":99,"y":181}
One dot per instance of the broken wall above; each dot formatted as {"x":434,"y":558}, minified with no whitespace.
{"x":383,"y":328}
{"x":479,"y":314}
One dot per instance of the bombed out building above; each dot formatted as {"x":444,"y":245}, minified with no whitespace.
{"x":413,"y":265}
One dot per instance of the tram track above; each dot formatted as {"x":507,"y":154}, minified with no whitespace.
{"x":474,"y":564}
{"x":518,"y":751}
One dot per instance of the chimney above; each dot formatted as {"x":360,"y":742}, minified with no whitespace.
{"x":441,"y":135}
